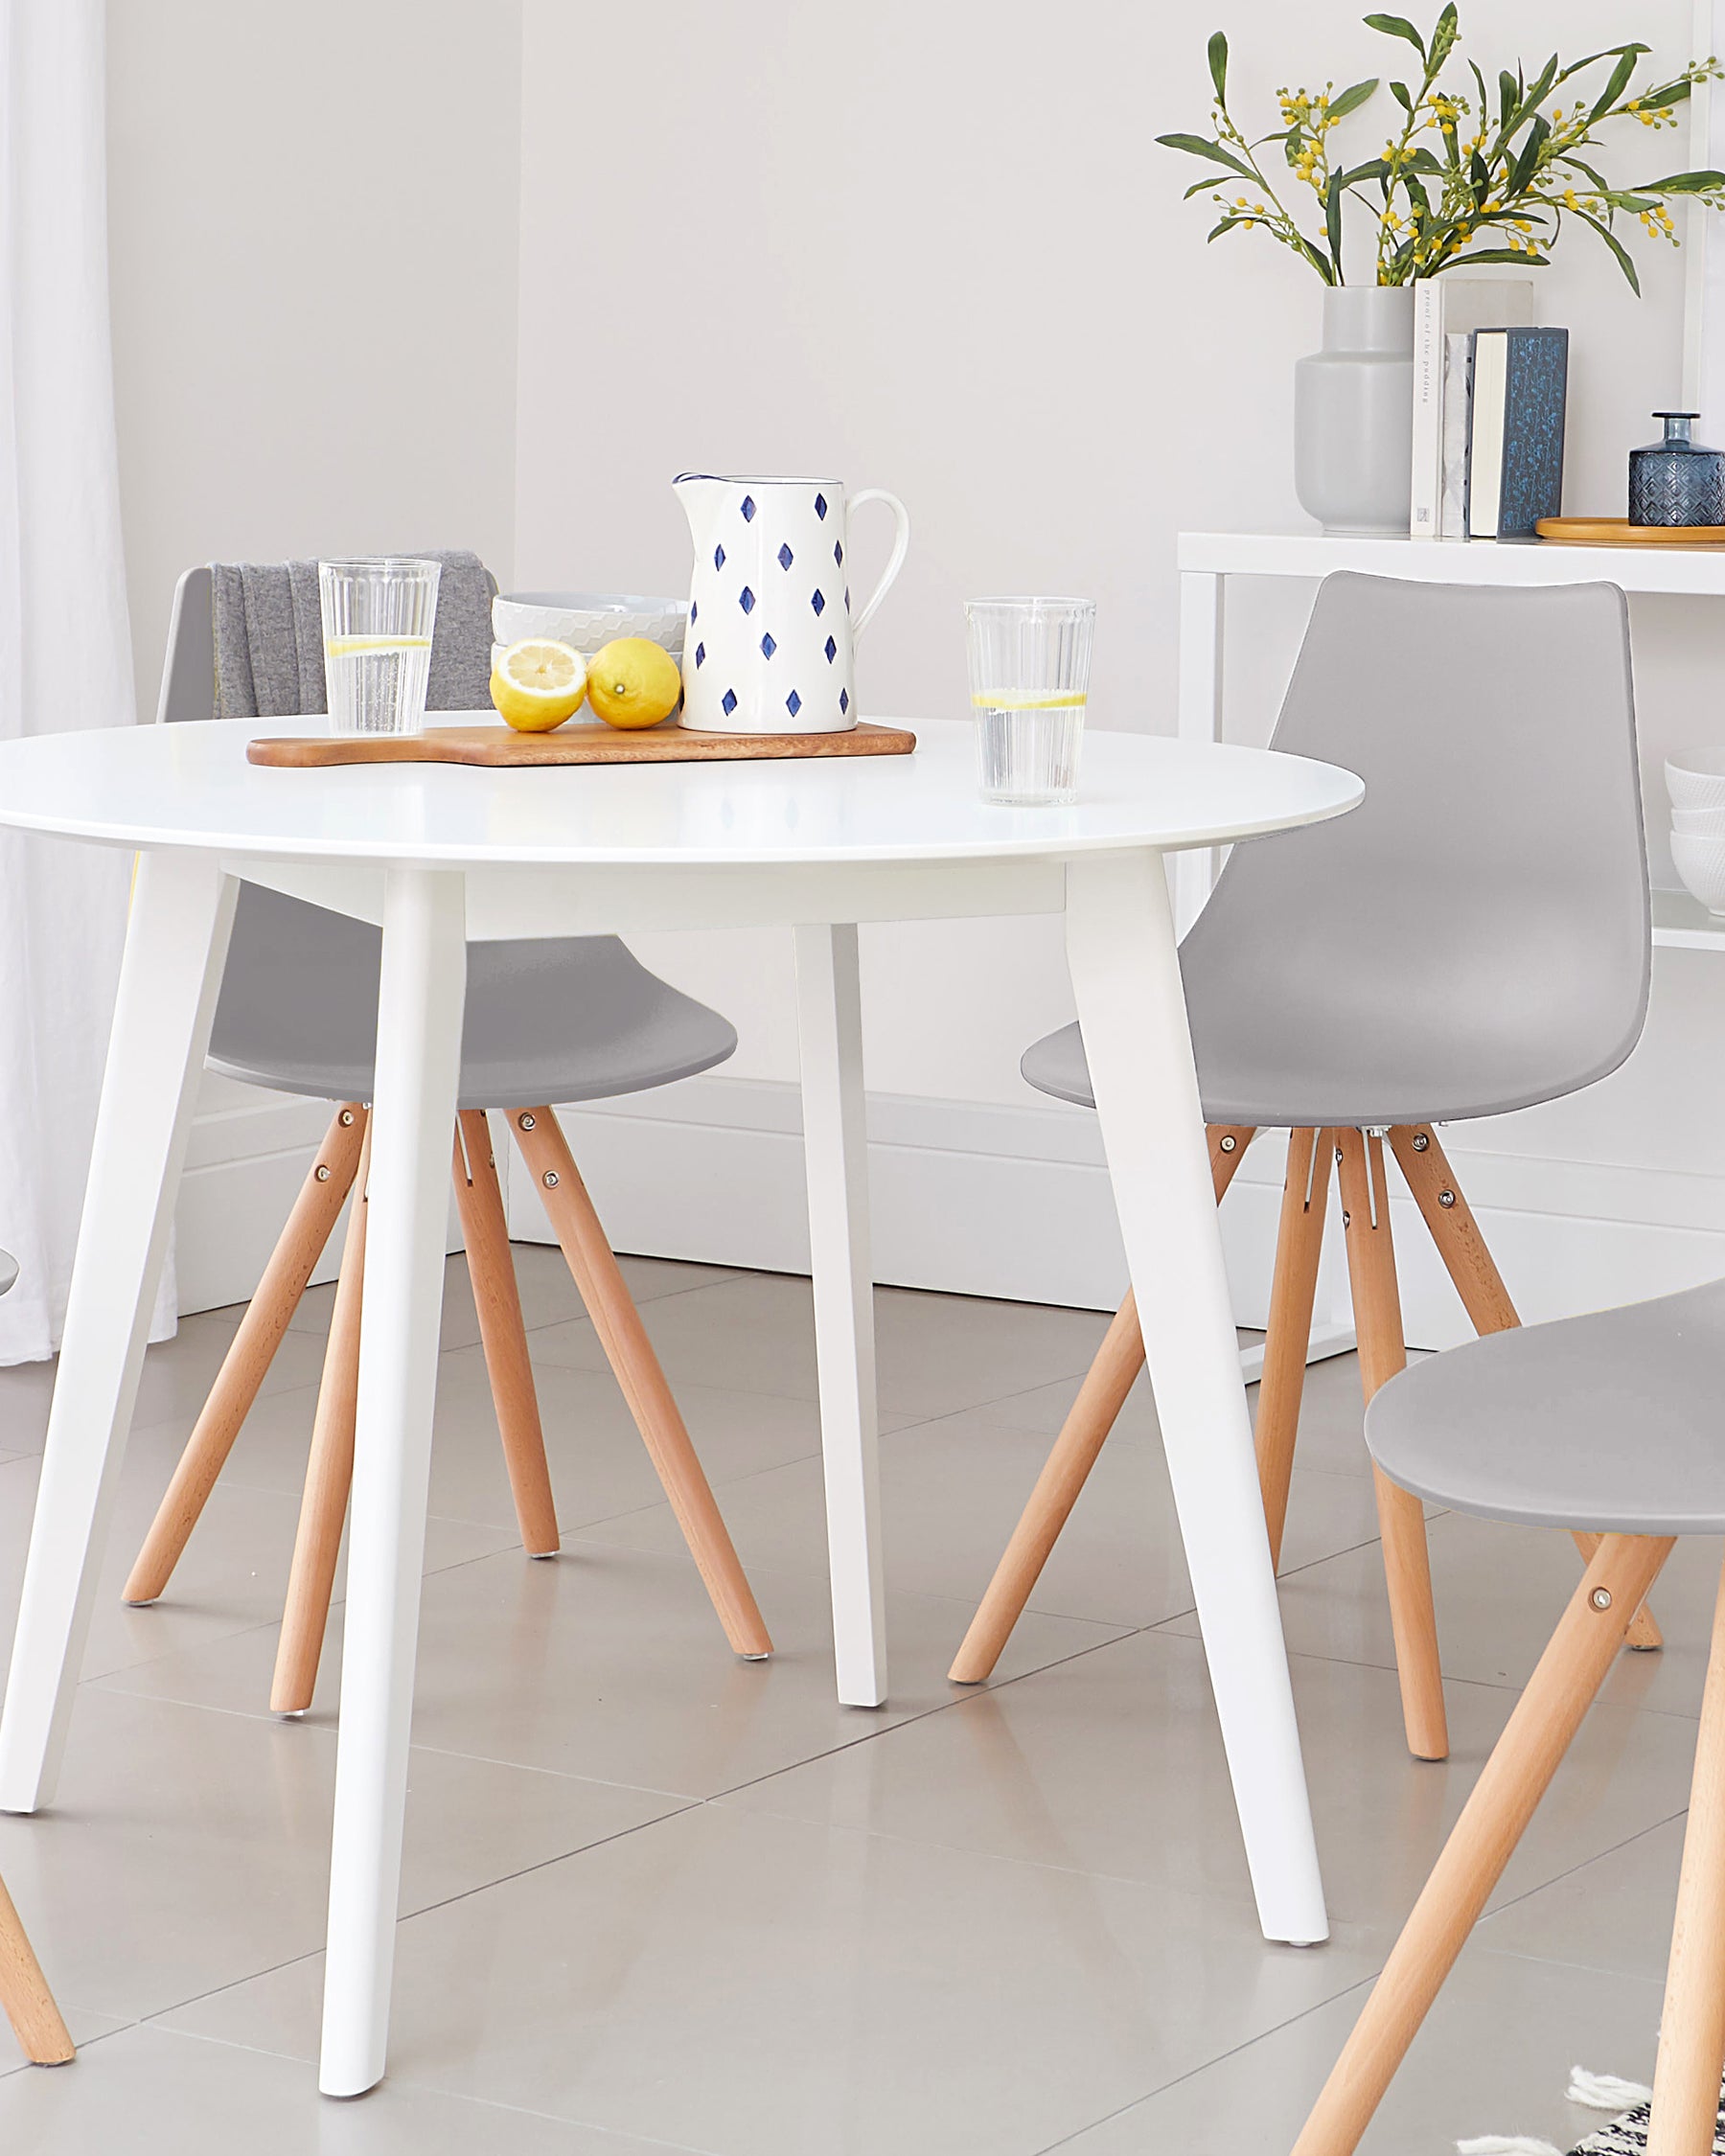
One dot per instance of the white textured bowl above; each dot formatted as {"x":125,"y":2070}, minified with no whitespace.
{"x":589,"y":619}
{"x":1700,"y":823}
{"x":1696,"y":779}
{"x":1701,"y":864}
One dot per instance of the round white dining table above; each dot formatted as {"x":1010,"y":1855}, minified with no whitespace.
{"x":440,"y":855}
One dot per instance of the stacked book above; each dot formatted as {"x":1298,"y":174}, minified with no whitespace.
{"x":1488,"y":404}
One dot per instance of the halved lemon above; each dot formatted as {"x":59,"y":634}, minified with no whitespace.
{"x":537,"y":683}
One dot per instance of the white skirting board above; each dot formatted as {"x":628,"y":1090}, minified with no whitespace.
{"x":1013,"y":1202}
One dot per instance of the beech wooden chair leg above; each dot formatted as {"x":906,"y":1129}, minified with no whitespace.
{"x":1503,"y":1800}
{"x":1470,"y":1264}
{"x":247,"y":1360}
{"x":1298,"y":1247}
{"x":497,"y":1300}
{"x":328,"y":1476}
{"x":636,"y":1367}
{"x":1691,"y":2030}
{"x":1402,"y":1517}
{"x":25,"y":1995}
{"x":1110,"y":1378}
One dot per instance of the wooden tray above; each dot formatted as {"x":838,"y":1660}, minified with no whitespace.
{"x":590,"y":744}
{"x":1617,"y":531}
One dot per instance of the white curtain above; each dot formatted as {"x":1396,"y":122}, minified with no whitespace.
{"x":65,"y":657}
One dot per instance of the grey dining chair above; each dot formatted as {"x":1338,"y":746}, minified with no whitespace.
{"x":36,"y":2020}
{"x":566,"y":1018}
{"x":1473,"y":939}
{"x":1607,"y":1424}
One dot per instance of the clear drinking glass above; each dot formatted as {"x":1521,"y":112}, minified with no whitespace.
{"x":377,"y":618}
{"x":1029,"y":675}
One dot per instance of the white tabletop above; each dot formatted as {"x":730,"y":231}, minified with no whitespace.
{"x":190,"y":785}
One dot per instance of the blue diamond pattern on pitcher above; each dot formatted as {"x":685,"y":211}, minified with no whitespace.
{"x":768,"y":645}
{"x":839,"y":551}
{"x":786,"y":557}
{"x":832,"y":651}
{"x":694,"y":611}
{"x":844,"y":700}
{"x":820,"y":505}
{"x":749,"y":509}
{"x":794,"y":703}
{"x":701,"y":655}
{"x":746,"y":600}
{"x":727,"y":702}
{"x":847,"y":598}
{"x":718,"y":558}
{"x":818,"y":602}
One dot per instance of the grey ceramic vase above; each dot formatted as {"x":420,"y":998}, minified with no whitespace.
{"x":1353,"y":412}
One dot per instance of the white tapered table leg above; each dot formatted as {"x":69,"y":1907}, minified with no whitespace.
{"x":836,"y":1154}
{"x":420,"y":1001}
{"x":1126,"y":979}
{"x":175,"y":945}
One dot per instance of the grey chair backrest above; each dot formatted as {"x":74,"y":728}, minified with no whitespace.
{"x":1496,"y":869}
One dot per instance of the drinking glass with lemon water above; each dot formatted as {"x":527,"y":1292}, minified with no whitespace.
{"x":377,"y":618}
{"x":1029,"y":677}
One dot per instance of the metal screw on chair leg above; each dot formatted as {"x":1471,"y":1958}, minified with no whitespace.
{"x":549,"y":1179}
{"x":1347,"y":1217}
{"x":1229,"y":1144}
{"x":1338,"y":1157}
{"x":1446,"y":1198}
{"x":527,"y":1122}
{"x":1600,"y":1598}
{"x":347,"y":1117}
{"x":323,"y":1173}
{"x":1421,"y":1141}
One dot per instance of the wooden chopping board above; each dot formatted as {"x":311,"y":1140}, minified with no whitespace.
{"x":503,"y":747}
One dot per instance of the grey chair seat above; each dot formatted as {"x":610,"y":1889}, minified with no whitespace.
{"x":1610,"y":1422}
{"x":1474,"y":938}
{"x":570,"y":1018}
{"x":1261,"y":1061}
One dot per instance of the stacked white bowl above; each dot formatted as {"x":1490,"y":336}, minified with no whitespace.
{"x":589,"y":620}
{"x":1696,"y":781}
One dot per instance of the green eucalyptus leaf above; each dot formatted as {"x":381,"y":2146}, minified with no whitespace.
{"x":1376,"y":170}
{"x":1332,"y":220}
{"x":1611,"y":240}
{"x":1197,"y":146}
{"x":1444,"y":33}
{"x":1205,"y":186}
{"x":1522,"y":172}
{"x":1399,"y":92}
{"x":1686,"y":183}
{"x":1397,"y":25}
{"x":1423,"y":161}
{"x":1611,"y":52}
{"x":1615,"y":83}
{"x":1226,"y":224}
{"x":1218,"y":66}
{"x":1542,"y":84}
{"x":1351,"y":99}
{"x":1480,"y":173}
{"x":1509,"y":96}
{"x":1500,"y":254}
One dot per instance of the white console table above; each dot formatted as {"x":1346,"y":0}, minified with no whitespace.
{"x":1209,"y":559}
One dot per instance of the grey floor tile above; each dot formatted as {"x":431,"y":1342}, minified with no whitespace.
{"x":1613,"y":1914}
{"x":187,"y":1849}
{"x":599,"y":1466}
{"x":1112,"y":1763}
{"x":1499,"y":1592}
{"x":177,"y":1380}
{"x":148,"y":2092}
{"x":1494,"y":2058}
{"x":952,"y":1492}
{"x":234,"y":1573}
{"x":764,"y":1989}
{"x":936,"y":1353}
{"x":610,"y":1663}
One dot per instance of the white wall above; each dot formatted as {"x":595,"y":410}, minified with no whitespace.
{"x":933,"y":248}
{"x":937,"y":249}
{"x":314,"y":221}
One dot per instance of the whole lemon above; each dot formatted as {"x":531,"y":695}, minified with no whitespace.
{"x":633,"y":682}
{"x":537,"y":683}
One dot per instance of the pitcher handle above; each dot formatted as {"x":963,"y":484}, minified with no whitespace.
{"x":895,"y":561}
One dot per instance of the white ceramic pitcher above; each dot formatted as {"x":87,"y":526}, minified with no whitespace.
{"x":771,"y":635}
